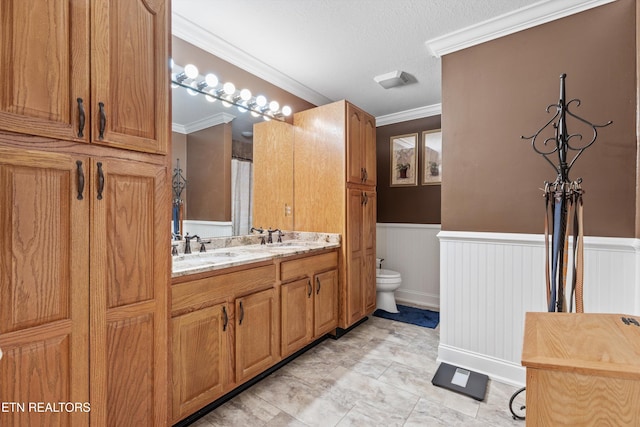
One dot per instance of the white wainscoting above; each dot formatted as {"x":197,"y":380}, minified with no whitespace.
{"x":413,"y":250}
{"x":488,"y":281}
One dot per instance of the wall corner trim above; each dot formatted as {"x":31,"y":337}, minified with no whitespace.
{"x":508,"y":23}
{"x":413,"y":114}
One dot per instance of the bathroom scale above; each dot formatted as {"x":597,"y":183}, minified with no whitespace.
{"x":461,"y":380}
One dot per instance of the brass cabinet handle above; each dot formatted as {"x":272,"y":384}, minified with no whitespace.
{"x":80,"y":180}
{"x":100,"y":180}
{"x":103,"y":121}
{"x":318,"y":285}
{"x":241,"y":313}
{"x":225,"y":317}
{"x":81,"y":118}
{"x":366,"y":175}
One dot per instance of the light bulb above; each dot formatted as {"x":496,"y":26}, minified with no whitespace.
{"x":286,"y":111}
{"x":171,"y":63}
{"x":211,"y":80}
{"x":242,"y":107}
{"x":261,"y":101}
{"x":229,"y":88}
{"x":191,"y":71}
{"x":209,"y":97}
{"x":245,"y":94}
{"x":192,"y":92}
{"x":274,"y":106}
{"x":227,"y":101}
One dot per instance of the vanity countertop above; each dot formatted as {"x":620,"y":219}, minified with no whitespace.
{"x":233,"y":251}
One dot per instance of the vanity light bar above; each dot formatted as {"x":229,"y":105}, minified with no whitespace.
{"x":189,"y":78}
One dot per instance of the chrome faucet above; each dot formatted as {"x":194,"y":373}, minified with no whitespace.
{"x":187,"y":242}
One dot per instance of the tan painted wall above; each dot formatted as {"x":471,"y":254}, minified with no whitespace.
{"x":497,"y":91}
{"x":209,"y":174}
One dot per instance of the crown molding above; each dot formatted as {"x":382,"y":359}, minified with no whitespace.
{"x":509,"y":23}
{"x":207,"y":122}
{"x":192,"y":33}
{"x":415,"y":113}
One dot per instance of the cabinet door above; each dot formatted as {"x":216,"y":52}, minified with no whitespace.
{"x":129,"y":281}
{"x":369,"y":245}
{"x":201,"y":361}
{"x":355,"y":136}
{"x":353,"y":297}
{"x":361,"y":146}
{"x":369,"y":149}
{"x":325,"y":302}
{"x":257,"y":333}
{"x":44,"y":277}
{"x":297,"y":315}
{"x":273,"y":175}
{"x":44,"y":58}
{"x":130,"y":74}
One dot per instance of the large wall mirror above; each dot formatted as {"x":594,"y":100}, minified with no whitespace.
{"x":213,"y":143}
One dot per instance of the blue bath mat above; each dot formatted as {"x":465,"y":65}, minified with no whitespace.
{"x":415,"y":316}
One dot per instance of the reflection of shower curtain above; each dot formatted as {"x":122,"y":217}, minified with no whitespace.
{"x":241,"y":184}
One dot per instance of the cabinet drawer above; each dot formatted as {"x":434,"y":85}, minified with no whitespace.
{"x":205,"y":292}
{"x":305,"y":266}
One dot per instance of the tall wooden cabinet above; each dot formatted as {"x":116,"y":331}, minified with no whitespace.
{"x":333,"y":187}
{"x":86,"y":71}
{"x":84,"y":185}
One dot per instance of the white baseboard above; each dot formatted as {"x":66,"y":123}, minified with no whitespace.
{"x":497,"y":369}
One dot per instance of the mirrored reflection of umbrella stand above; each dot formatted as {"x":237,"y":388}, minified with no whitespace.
{"x":563,"y":216}
{"x":178,"y":184}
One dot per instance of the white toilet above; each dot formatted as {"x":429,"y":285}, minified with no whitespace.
{"x":387,"y":281}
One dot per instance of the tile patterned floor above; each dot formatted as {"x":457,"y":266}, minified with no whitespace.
{"x":378,"y":374}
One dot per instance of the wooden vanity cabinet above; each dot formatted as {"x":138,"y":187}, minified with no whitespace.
{"x":69,"y":72}
{"x":225,"y":330}
{"x":309,"y":300}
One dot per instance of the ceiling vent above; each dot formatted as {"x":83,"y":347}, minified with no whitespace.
{"x":392,"y":79}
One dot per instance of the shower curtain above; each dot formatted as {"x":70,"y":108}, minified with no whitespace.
{"x":241,"y":195}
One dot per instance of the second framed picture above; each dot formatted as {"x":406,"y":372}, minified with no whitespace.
{"x":404,"y":165}
{"x":432,"y":157}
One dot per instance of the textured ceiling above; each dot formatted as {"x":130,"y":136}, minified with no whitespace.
{"x":336,"y":47}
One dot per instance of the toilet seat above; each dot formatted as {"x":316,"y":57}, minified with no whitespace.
{"x":383,"y":273}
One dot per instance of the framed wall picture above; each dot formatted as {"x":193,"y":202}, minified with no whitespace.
{"x":432,"y":157}
{"x":404,"y":165}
